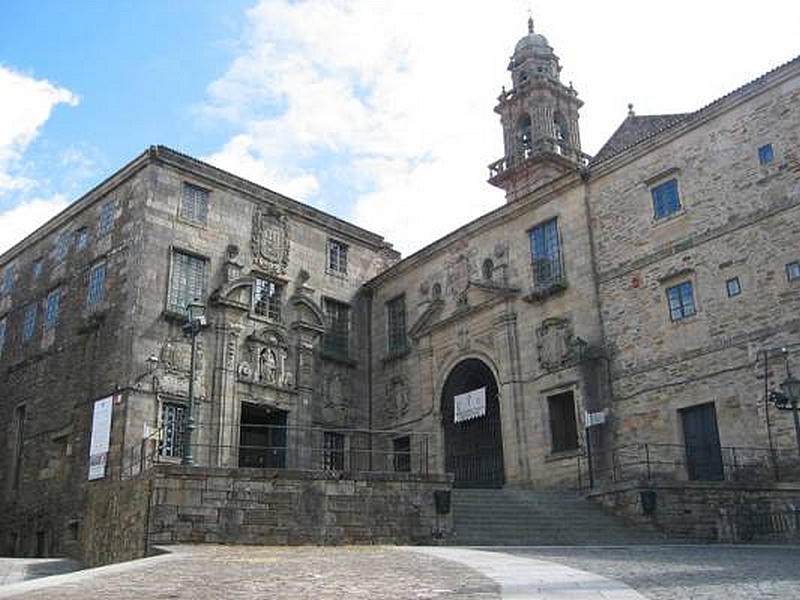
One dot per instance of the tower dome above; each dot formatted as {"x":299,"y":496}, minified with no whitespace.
{"x":532,"y":41}
{"x":533,"y":57}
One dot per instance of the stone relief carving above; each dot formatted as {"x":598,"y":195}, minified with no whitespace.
{"x":336,"y":401}
{"x":463,"y":339}
{"x":270,"y":240}
{"x":266,"y":361}
{"x":396,"y":402}
{"x":553,"y":342}
{"x":176,"y":356}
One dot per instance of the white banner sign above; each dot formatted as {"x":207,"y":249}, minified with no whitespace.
{"x":594,"y":419}
{"x":101,"y":436}
{"x":470,"y":405}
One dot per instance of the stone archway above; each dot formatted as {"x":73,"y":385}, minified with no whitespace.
{"x":472,"y":431}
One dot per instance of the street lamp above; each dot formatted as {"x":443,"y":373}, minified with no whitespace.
{"x":791,"y":390}
{"x":195,"y":321}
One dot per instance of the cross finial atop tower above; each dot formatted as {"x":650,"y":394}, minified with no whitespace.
{"x":530,"y":23}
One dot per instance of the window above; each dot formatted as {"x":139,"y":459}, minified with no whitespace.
{"x":36,"y":269}
{"x":82,"y":238}
{"x":267,"y":297}
{"x":51,"y":310}
{"x":105,"y":222}
{"x":487,"y":269}
{"x":793,"y":271}
{"x":172,"y":429}
{"x":563,"y":426}
{"x":61,"y":248}
{"x":333,"y":452}
{"x":733,"y":287}
{"x":2,"y":334}
{"x":7,"y":282}
{"x":187,"y":281}
{"x":548,"y":269}
{"x":97,"y":284}
{"x":436,"y":291}
{"x":766,"y":154}
{"x":666,"y":200}
{"x":194,"y":204}
{"x":396,"y":324}
{"x":337,"y":336}
{"x":337,"y":257}
{"x":681,"y":301}
{"x":29,"y":322}
{"x":402,"y":454}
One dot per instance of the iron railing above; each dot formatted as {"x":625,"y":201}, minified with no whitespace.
{"x":287,"y":447}
{"x":676,"y":462}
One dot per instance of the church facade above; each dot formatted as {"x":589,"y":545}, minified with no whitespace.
{"x":644,"y":296}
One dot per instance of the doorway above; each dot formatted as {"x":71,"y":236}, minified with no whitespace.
{"x":701,"y":438}
{"x":472,"y":430}
{"x":262,"y":437}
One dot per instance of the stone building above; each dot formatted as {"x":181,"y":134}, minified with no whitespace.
{"x":648,"y":292}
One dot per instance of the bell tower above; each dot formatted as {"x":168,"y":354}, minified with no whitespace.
{"x":540,"y":121}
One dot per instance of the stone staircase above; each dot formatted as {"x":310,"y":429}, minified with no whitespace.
{"x":513,"y":517}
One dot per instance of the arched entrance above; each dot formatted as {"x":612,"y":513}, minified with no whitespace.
{"x":471,"y":420}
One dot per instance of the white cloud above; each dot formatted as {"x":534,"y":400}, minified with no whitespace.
{"x":392,"y":101}
{"x":26,"y":104}
{"x":26,"y":217}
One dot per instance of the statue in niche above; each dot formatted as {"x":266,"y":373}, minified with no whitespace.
{"x":269,"y":366}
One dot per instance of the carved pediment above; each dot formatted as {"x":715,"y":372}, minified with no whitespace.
{"x":426,"y":319}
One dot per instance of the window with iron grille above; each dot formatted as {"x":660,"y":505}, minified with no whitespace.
{"x":187,"y":281}
{"x":563,"y":425}
{"x":333,"y":453}
{"x":194,"y":203}
{"x":681,"y":301}
{"x":61,"y":248}
{"x":337,"y":257}
{"x":36,"y":269}
{"x":267,"y":299}
{"x":666,"y":200}
{"x":97,"y":285}
{"x":548,"y":271}
{"x":766,"y":154}
{"x":82,"y":238}
{"x":402,"y":454}
{"x":733,"y":287}
{"x":51,"y":309}
{"x":396,"y":325}
{"x":337,"y":335}
{"x":7,"y":282}
{"x":172,"y":429}
{"x":29,"y":322}
{"x":105,"y":223}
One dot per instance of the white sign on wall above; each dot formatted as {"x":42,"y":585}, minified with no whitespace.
{"x":469,"y":405}
{"x":101,"y":437}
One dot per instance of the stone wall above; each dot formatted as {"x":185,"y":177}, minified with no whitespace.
{"x":248,"y":506}
{"x":708,"y":511}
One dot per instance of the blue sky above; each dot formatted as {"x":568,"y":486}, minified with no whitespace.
{"x":378,"y":111}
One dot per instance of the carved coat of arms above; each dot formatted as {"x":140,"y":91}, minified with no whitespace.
{"x":270,"y":240}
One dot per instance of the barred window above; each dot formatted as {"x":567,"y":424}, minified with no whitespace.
{"x":402,"y":454}
{"x":666,"y":200}
{"x":337,"y":336}
{"x":267,"y":299}
{"x":97,"y":284}
{"x":546,"y":255}
{"x":333,"y":452}
{"x":187,"y":280}
{"x":51,"y":310}
{"x":194,"y":203}
{"x":7,"y":282}
{"x":337,"y":257}
{"x":563,"y":424}
{"x":105,"y":222}
{"x":172,"y":429}
{"x":61,"y":248}
{"x":82,"y":238}
{"x":36,"y":269}
{"x":396,"y":324}
{"x":29,"y":322}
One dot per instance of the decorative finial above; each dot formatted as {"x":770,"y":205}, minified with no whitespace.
{"x":530,"y":24}
{"x":630,"y":110}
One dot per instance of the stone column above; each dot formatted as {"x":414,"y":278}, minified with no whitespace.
{"x":224,"y":418}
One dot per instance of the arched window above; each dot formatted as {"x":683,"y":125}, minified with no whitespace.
{"x":561,"y":129}
{"x":488,"y":269}
{"x":524,"y":131}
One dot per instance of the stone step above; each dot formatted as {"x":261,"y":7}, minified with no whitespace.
{"x":527,"y":517}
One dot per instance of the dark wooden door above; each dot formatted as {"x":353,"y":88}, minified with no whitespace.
{"x":262,"y":439}
{"x":474,"y":447}
{"x":701,"y":437}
